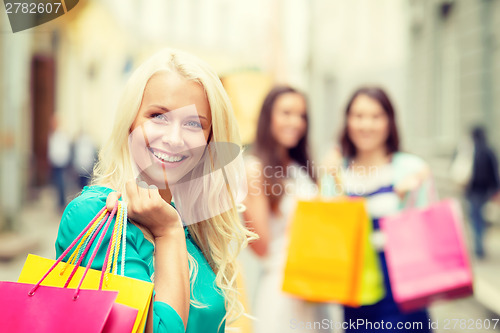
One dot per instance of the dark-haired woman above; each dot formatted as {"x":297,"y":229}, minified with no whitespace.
{"x":278,"y":169}
{"x":375,"y":168}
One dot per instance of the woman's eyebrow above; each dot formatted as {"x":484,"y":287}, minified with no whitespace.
{"x":199,"y":117}
{"x":164,"y":109}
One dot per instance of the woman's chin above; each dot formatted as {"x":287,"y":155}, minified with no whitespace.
{"x":369,"y":147}
{"x":289,"y":144}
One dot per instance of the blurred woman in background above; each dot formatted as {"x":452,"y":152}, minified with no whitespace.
{"x":278,"y":169}
{"x":376,"y":169}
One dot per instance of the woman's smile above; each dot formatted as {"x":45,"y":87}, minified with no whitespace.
{"x":168,"y":159}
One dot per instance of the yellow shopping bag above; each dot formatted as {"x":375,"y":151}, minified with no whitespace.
{"x":131,"y":292}
{"x":330,"y":258}
{"x":244,"y":323}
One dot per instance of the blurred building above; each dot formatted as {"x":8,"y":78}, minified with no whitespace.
{"x":454,"y":84}
{"x":454,"y":72}
{"x":454,"y":77}
{"x":353,"y":43}
{"x":15,"y":119}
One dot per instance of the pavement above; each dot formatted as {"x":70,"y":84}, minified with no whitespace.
{"x":37,"y":231}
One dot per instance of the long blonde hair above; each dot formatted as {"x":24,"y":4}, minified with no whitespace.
{"x":220,"y":237}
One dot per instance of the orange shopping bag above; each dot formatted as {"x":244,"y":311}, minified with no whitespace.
{"x":330,"y":258}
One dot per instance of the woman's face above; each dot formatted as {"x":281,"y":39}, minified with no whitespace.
{"x":171,"y":129}
{"x":288,"y":119}
{"x":367,"y":124}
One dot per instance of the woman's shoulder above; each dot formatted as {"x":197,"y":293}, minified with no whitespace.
{"x":79,"y":212}
{"x":88,"y":198}
{"x":253,"y":165}
{"x":252,"y":160}
{"x":90,"y":194}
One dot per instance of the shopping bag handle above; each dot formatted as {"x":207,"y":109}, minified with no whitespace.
{"x":77,"y":239}
{"x":61,"y":257}
{"x":431,"y":193}
{"x":88,"y":244}
{"x":337,"y":180}
{"x":94,"y":253}
{"x":84,"y":242}
{"x":118,"y":238}
{"x":117,"y":241}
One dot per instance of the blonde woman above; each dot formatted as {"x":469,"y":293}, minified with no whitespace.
{"x":172,"y":115}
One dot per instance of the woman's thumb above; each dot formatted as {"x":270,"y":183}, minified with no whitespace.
{"x":111,"y":200}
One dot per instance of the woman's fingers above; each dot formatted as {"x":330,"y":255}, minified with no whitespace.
{"x":131,"y":188}
{"x":112,"y":199}
{"x":143,"y":190}
{"x":154,"y":193}
{"x":412,"y":182}
{"x":147,"y":207}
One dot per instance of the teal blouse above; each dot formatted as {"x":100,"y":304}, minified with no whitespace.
{"x":139,"y":265}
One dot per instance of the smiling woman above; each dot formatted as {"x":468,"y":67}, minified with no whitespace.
{"x":169,"y":129}
{"x":279,"y":173}
{"x":370,"y":142}
{"x":171,"y":116}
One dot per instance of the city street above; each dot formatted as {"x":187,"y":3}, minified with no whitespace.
{"x":377,"y":94}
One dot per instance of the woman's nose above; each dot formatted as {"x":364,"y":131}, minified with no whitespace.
{"x":297,"y":121}
{"x":173,"y":136}
{"x":366,"y":123}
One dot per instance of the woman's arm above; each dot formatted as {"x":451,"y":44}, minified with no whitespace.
{"x":148,"y":208}
{"x":412,"y":181}
{"x":258,"y":210}
{"x":76,"y":217}
{"x":172,"y":272}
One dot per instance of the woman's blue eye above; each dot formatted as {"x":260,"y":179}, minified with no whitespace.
{"x":193,"y":124}
{"x":158,"y":116}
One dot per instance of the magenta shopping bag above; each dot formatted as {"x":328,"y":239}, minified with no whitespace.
{"x":426,"y":255}
{"x":27,"y":308}
{"x":53,"y":309}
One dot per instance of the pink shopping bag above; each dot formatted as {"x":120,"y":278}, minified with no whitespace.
{"x":26,"y":308}
{"x":426,"y":255}
{"x":53,"y":309}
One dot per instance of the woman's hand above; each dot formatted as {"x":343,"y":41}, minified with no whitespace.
{"x":146,"y":207}
{"x":412,"y":182}
{"x":332,"y":163}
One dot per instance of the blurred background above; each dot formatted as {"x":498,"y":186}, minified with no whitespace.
{"x":438,"y":59}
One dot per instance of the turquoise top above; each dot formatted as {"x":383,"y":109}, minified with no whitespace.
{"x":139,"y":265}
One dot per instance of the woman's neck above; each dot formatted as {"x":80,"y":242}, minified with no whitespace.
{"x":166,"y":194}
{"x":283,"y":154}
{"x":375,"y":157}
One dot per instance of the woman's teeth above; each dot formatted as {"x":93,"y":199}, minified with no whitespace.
{"x":168,"y":158}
